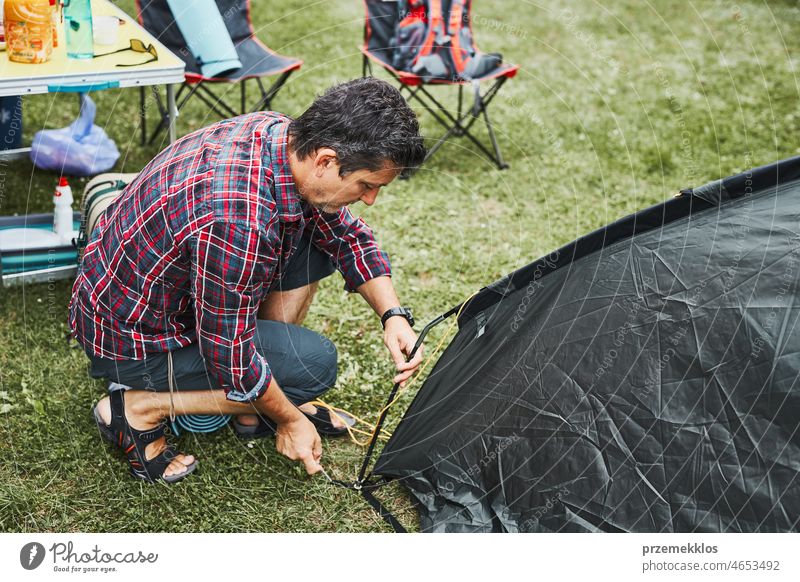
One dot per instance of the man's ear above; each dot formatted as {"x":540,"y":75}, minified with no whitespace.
{"x":324,"y":160}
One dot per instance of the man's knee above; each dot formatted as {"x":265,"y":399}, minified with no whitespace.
{"x":311,"y":371}
{"x":301,"y":359}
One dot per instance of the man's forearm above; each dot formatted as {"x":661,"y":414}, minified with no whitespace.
{"x":397,"y":334}
{"x":380,"y":294}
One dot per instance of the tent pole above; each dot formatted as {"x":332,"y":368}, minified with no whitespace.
{"x":362,"y":474}
{"x":361,"y":484}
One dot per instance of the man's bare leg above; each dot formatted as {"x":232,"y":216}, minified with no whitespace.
{"x":288,"y":306}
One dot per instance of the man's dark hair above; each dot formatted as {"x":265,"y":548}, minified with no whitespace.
{"x":367,"y":122}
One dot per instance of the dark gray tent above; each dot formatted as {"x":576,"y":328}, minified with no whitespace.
{"x":642,"y":378}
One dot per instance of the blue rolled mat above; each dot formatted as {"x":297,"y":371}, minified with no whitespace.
{"x":202,"y":423}
{"x":206,"y":35}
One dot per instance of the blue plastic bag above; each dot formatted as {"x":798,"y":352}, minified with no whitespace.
{"x":82,"y":149}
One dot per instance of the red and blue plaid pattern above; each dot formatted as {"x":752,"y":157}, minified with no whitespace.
{"x":191,"y":247}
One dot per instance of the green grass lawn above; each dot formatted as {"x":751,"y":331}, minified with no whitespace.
{"x":617,"y":106}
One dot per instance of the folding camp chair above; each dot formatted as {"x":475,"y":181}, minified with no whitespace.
{"x":258,"y":62}
{"x":382,"y":18}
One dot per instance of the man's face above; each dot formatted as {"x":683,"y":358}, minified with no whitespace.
{"x":326,"y":190}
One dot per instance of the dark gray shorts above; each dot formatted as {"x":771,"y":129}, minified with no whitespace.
{"x":302,"y":361}
{"x":307,"y":265}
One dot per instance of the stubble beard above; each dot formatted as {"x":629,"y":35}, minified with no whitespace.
{"x":313,"y":201}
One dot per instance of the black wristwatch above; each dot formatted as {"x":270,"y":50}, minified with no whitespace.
{"x":401,"y":311}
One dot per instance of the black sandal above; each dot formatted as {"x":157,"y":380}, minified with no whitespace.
{"x":133,"y":442}
{"x":325,"y":427}
{"x":262,"y":429}
{"x":266,"y":427}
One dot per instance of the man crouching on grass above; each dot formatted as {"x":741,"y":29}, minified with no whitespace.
{"x":195,"y":280}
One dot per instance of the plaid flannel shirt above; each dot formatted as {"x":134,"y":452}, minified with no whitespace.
{"x":190,"y":248}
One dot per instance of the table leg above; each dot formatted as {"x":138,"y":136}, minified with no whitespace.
{"x":143,"y":114}
{"x":172,"y":112}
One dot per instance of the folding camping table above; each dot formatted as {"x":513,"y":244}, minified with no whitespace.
{"x":63,"y":75}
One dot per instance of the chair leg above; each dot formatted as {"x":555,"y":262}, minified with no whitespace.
{"x":163,"y":123}
{"x":441,"y":141}
{"x":461,"y":125}
{"x":440,"y":113}
{"x":460,"y":112}
{"x":498,"y":157}
{"x":162,"y":116}
{"x":261,"y":87}
{"x":213,"y":101}
{"x":266,"y":98}
{"x":487,"y":98}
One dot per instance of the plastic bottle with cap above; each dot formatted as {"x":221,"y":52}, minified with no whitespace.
{"x":62,"y":217}
{"x":29,"y":30}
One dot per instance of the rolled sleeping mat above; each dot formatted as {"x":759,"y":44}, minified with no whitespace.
{"x":199,"y":423}
{"x":29,"y":245}
{"x":206,"y":35}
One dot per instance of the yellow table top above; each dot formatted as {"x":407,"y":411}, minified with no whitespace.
{"x":60,"y":72}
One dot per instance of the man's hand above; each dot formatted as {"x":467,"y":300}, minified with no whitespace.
{"x":400,"y":339}
{"x":299,"y":441}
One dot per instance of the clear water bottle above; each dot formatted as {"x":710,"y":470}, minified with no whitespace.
{"x":78,"y":28}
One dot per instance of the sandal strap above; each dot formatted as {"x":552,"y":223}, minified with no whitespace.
{"x":119,"y":423}
{"x":134,"y":442}
{"x":153,"y":469}
{"x":323,"y":422}
{"x":148,"y":436}
{"x":321,"y":419}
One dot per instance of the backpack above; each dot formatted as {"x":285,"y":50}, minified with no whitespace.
{"x":433,"y":39}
